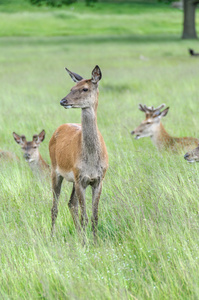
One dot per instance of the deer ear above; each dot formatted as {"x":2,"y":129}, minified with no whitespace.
{"x":164,"y":112}
{"x":19,"y":139}
{"x":75,"y":77}
{"x":39,"y":138}
{"x":96,"y":74}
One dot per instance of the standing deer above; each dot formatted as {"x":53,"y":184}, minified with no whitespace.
{"x":78,"y":152}
{"x":31,"y":151}
{"x":153,"y":128}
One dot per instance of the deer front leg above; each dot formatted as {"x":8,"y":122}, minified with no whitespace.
{"x":96,"y":192}
{"x":56,"y":187}
{"x":80,"y":193}
{"x":73,"y":206}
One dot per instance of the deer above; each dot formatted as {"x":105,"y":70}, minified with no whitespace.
{"x":31,"y":151}
{"x":78,"y":153}
{"x":152,"y":127}
{"x":8,"y":156}
{"x":193,"y":155}
{"x":193,"y":53}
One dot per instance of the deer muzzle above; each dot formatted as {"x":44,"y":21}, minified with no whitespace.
{"x":64,"y":103}
{"x":186,"y":156}
{"x":137,"y":135}
{"x":26,"y":156}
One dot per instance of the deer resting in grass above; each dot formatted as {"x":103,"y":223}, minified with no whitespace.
{"x":78,"y":152}
{"x":153,"y":128}
{"x":8,"y":156}
{"x":193,"y":155}
{"x":31,"y":151}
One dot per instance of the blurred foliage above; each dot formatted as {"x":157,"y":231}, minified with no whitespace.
{"x":166,"y":1}
{"x":54,"y":3}
{"x":90,"y":2}
{"x":58,"y":3}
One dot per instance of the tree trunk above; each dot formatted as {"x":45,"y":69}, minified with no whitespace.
{"x":189,"y":28}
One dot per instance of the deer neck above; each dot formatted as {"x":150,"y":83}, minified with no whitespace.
{"x":38,"y":164}
{"x":35,"y":159}
{"x":90,"y":137}
{"x":160,"y":137}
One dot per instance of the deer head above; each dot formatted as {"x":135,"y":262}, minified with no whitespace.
{"x":30,"y":149}
{"x":152,"y":120}
{"x":193,"y":155}
{"x":83,"y":94}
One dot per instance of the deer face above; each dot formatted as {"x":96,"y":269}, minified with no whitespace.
{"x":193,"y":155}
{"x":83,"y":94}
{"x":148,"y":127}
{"x":30,"y":149}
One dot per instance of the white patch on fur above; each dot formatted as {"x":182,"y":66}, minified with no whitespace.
{"x":74,"y":125}
{"x":69,"y":176}
{"x":30,"y":160}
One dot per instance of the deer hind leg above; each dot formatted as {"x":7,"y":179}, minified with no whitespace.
{"x":56,"y":187}
{"x":73,"y":206}
{"x":96,"y":192}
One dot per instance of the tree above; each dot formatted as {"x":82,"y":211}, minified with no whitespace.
{"x":90,"y":2}
{"x":189,"y":27}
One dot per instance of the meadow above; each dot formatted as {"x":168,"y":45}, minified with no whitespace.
{"x":148,"y":245}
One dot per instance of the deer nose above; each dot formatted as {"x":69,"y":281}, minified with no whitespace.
{"x":132,"y":132}
{"x":26,"y":155}
{"x":186,"y":156}
{"x":63,"y":102}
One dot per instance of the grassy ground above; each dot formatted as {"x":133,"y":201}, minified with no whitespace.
{"x":149,"y":211}
{"x":102,"y":19}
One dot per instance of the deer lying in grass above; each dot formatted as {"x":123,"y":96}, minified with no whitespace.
{"x":31,"y":151}
{"x":193,"y":53}
{"x":193,"y":155}
{"x":153,"y":128}
{"x":78,"y":152}
{"x":7,"y":155}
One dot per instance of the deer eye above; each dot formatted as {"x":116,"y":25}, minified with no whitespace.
{"x":148,"y":123}
{"x":35,"y":147}
{"x":85,"y":89}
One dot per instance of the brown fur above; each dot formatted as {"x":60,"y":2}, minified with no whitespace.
{"x":78,"y":152}
{"x":7,"y":155}
{"x":164,"y":141}
{"x":153,"y":128}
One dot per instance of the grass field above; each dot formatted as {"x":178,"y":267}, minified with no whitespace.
{"x":148,"y":244}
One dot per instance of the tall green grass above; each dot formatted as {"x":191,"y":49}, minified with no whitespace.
{"x":148,"y":211}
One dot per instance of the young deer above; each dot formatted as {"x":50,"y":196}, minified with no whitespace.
{"x":78,"y":152}
{"x":31,"y":151}
{"x":153,"y":128}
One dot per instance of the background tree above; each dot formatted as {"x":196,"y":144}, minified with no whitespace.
{"x":189,"y":27}
{"x":90,"y":2}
